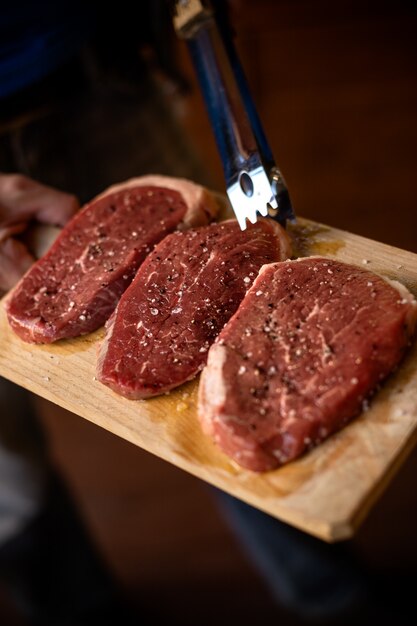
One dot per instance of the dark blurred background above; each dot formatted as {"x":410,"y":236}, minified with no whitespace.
{"x":335,"y":85}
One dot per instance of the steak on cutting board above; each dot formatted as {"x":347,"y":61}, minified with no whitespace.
{"x":180,"y":299}
{"x":74,"y":288}
{"x":312,"y":339}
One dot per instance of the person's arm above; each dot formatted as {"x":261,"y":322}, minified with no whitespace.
{"x":21,"y":201}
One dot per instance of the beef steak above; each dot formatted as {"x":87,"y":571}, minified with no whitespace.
{"x":74,"y":288}
{"x":312,"y":339}
{"x":182,"y":296}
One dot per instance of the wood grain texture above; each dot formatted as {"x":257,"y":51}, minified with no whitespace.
{"x":327,"y":492}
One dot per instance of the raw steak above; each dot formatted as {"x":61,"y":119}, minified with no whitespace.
{"x":312,"y":339}
{"x":74,"y":288}
{"x":182,"y":296}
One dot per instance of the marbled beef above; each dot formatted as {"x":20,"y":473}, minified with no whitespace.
{"x":312,"y":339}
{"x":182,"y":296}
{"x":74,"y":288}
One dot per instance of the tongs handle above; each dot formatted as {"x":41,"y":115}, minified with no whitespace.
{"x":240,"y":138}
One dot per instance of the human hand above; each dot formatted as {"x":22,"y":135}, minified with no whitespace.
{"x":22,"y":200}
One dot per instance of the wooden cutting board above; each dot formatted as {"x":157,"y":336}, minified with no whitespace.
{"x":326,"y":493}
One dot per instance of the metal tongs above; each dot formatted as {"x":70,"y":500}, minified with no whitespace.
{"x":254,"y":183}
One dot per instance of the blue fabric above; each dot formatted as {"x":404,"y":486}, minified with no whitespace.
{"x":311,"y":579}
{"x":37,"y":37}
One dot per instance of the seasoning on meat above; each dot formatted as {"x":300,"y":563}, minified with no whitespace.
{"x":309,"y":344}
{"x":74,"y":288}
{"x":182,"y":296}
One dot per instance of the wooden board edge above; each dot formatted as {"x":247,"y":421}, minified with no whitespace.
{"x":365,"y":506}
{"x":318,"y":528}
